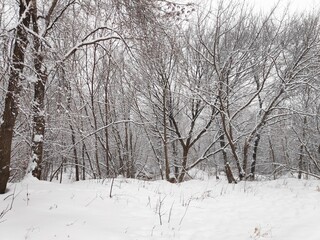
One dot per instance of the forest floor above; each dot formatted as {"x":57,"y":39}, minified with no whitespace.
{"x":284,"y":209}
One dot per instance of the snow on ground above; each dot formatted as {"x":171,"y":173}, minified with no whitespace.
{"x":285,"y":209}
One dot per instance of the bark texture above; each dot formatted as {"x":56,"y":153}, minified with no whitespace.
{"x":11,"y":107}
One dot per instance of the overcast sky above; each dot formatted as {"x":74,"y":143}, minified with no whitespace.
{"x":295,"y":5}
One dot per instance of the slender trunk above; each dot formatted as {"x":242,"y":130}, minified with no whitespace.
{"x":61,"y":171}
{"x":284,"y":144}
{"x":66,"y":85}
{"x":131,"y":155}
{"x":92,"y":102}
{"x":39,"y":95}
{"x":184,"y":163}
{"x":227,"y":167}
{"x":254,"y":157}
{"x":300,"y":164}
{"x":11,"y":104}
{"x":89,"y":160}
{"x":75,"y":155}
{"x":228,"y":134}
{"x":226,"y":125}
{"x":96,"y":151}
{"x":273,"y":158}
{"x":175,"y":160}
{"x":117,"y":137}
{"x":165,"y":137}
{"x":258,"y":136}
{"x":174,"y":147}
{"x":157,"y":158}
{"x":73,"y":135}
{"x":106,"y":131}
{"x":126,"y":149}
{"x":83,"y":164}
{"x":245,"y":155}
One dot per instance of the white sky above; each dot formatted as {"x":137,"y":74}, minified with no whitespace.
{"x":265,"y":5}
{"x":295,"y":5}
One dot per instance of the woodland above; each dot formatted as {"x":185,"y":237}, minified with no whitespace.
{"x":151,"y":89}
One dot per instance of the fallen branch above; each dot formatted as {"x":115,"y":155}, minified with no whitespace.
{"x":9,"y":207}
{"x":296,"y":170}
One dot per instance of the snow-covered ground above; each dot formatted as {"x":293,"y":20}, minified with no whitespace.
{"x":285,"y":209}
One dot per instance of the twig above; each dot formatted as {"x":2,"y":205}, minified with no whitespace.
{"x":159,"y":209}
{"x":9,"y":207}
{"x":185,"y":212}
{"x":170,"y":212}
{"x":110,"y":194}
{"x":292,"y":169}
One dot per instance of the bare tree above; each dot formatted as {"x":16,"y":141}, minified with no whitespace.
{"x":11,"y":106}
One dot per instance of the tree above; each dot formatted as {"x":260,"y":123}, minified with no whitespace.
{"x":11,"y":107}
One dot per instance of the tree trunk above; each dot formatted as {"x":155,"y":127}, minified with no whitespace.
{"x":175,"y":160}
{"x":119,"y":144}
{"x":106,"y":130}
{"x":89,"y":160}
{"x":273,"y":158}
{"x":258,"y":136}
{"x":254,"y":157}
{"x":228,"y":134}
{"x":73,"y":134}
{"x":126,"y":157}
{"x":245,"y":155}
{"x":38,"y":126}
{"x":38,"y":123}
{"x":227,"y":167}
{"x":12,"y":96}
{"x":75,"y":155}
{"x":165,"y":135}
{"x":95,"y":122}
{"x":131,"y":155}
{"x":174,"y":143}
{"x":300,"y":164}
{"x":83,"y":164}
{"x":184,"y":163}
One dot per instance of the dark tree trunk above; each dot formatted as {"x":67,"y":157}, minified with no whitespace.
{"x":254,"y":157}
{"x":12,"y":96}
{"x":131,"y":156}
{"x":106,"y":105}
{"x":174,"y":143}
{"x":126,"y":156}
{"x":184,"y":163}
{"x":75,"y":155}
{"x":227,"y":167}
{"x":119,"y":144}
{"x":165,"y":135}
{"x":84,"y":149}
{"x":73,"y":134}
{"x":227,"y":128}
{"x":39,"y":95}
{"x":95,"y":122}
{"x":38,"y":126}
{"x":300,"y":164}
{"x":258,"y":136}
{"x":273,"y":158}
{"x":175,"y":155}
{"x":245,"y":155}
